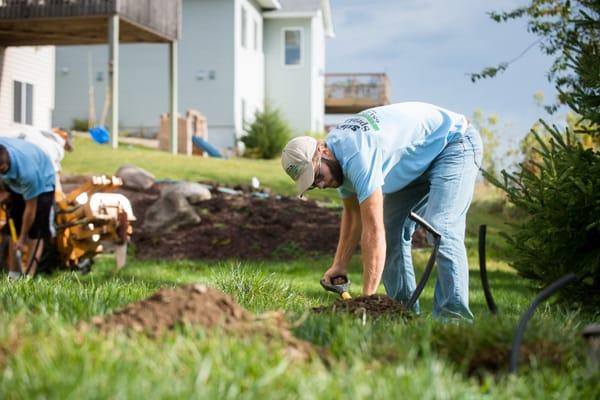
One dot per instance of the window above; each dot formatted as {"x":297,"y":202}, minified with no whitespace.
{"x":244,"y":23}
{"x":293,"y":46}
{"x":23,"y":103}
{"x":256,"y":47}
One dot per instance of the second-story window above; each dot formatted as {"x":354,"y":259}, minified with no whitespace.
{"x":293,"y":46}
{"x":244,"y":28}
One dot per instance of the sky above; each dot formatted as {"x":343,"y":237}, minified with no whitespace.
{"x":427,"y":47}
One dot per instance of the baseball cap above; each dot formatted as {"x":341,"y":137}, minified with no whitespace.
{"x":296,"y":160}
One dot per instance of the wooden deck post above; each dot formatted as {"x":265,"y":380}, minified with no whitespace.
{"x":113,"y":77}
{"x":173,"y":94}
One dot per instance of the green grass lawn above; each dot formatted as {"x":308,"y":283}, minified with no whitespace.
{"x":44,"y":355}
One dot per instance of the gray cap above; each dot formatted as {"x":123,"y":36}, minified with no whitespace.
{"x":296,"y":160}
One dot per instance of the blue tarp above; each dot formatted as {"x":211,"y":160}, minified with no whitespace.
{"x":99,"y":134}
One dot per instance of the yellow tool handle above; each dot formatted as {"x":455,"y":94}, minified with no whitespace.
{"x":346,"y":296}
{"x":13,"y":231}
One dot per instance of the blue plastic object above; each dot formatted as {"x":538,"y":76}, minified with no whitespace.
{"x":207,"y":147}
{"x":99,"y":134}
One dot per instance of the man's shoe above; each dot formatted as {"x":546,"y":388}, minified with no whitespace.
{"x":14,"y":276}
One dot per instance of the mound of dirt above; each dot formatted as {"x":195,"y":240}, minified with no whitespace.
{"x":202,"y":306}
{"x":374,"y":306}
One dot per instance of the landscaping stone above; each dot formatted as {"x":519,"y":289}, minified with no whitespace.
{"x":193,"y":192}
{"x":170,"y":212}
{"x":135,"y":178}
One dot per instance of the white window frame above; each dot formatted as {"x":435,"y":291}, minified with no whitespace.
{"x":244,"y":28}
{"x":302,"y":47}
{"x":26,"y":100}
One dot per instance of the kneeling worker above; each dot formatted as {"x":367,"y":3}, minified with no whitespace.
{"x":385,"y":162}
{"x":28,"y":176}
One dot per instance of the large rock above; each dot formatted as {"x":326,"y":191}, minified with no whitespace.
{"x":134,"y":177}
{"x":170,"y":212}
{"x":193,"y":192}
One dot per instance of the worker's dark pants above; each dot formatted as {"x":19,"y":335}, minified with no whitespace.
{"x":442,"y":196}
{"x":43,"y":225}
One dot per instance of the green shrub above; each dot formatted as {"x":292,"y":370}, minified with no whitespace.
{"x":561,"y":195}
{"x":267,"y":135}
{"x":80,"y":125}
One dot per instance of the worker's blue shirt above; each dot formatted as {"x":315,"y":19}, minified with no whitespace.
{"x":31,"y":172}
{"x":388,"y":147}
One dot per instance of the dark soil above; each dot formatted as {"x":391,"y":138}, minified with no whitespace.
{"x":197,"y":305}
{"x":374,"y":306}
{"x":238,"y":226}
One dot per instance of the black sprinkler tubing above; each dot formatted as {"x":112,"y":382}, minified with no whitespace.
{"x":33,"y":257}
{"x":483,"y":272}
{"x":436,"y":245}
{"x":543,"y":295}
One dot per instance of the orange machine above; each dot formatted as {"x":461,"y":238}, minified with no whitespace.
{"x":87,"y":219}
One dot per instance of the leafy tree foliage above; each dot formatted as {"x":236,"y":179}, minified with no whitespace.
{"x":487,"y":127}
{"x":562,"y":27}
{"x":558,"y":185}
{"x":267,"y":135}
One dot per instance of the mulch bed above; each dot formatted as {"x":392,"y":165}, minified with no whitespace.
{"x":241,"y":226}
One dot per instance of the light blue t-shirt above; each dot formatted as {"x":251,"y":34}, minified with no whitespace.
{"x":390,"y":146}
{"x":31,"y":172}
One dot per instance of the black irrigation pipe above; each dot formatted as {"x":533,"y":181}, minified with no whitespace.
{"x":543,"y":295}
{"x":436,"y":245}
{"x":33,"y":257}
{"x":483,"y":272}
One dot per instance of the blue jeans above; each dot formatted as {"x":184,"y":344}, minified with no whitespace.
{"x":442,"y":195}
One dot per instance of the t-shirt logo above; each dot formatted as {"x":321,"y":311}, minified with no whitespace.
{"x":362,"y":122}
{"x":372,"y":119}
{"x":293,"y":170}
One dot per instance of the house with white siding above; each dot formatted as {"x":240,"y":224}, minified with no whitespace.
{"x":233,"y":56}
{"x":26,"y":87}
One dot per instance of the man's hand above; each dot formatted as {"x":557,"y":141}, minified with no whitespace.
{"x":20,"y":244}
{"x":334,"y":271}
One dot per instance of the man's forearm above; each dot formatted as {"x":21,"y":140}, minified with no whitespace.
{"x":350,"y":229}
{"x":373,"y":249}
{"x":372,"y":241}
{"x":349,"y":237}
{"x":28,"y":218}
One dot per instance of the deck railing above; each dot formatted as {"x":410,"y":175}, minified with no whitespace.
{"x":162,"y":16}
{"x":356,"y":90}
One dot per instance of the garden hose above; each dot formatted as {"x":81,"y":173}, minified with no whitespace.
{"x":33,"y":256}
{"x":543,"y":295}
{"x":436,"y":245}
{"x":483,"y":272}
